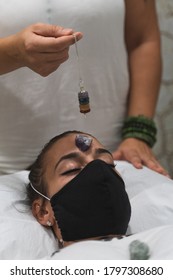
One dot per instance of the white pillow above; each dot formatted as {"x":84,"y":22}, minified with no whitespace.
{"x":21,"y":236}
{"x":151,"y":197}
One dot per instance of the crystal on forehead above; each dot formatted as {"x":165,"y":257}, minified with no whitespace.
{"x":83,"y":142}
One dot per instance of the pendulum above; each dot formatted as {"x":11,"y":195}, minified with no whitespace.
{"x":83,"y":142}
{"x":83,"y":96}
{"x":84,"y":101}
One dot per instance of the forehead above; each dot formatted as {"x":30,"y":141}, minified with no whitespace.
{"x":67,"y":144}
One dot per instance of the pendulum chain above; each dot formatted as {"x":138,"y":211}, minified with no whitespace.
{"x":83,"y":96}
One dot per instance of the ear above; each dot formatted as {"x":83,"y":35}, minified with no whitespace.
{"x":43,"y":212}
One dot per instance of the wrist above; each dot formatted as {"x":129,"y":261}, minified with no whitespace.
{"x":9,"y":55}
{"x":15,"y":51}
{"x":140,"y":127}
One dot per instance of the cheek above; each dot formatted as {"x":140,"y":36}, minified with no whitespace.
{"x":65,"y":180}
{"x":57,"y":184}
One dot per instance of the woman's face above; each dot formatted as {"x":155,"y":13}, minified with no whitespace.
{"x":65,"y":160}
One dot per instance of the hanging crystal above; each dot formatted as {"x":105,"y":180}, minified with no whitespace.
{"x":83,"y":95}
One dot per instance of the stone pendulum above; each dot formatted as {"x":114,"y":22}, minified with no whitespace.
{"x":83,"y":95}
{"x":84,"y":102}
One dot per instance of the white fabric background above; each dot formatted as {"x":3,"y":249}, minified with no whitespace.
{"x":164,"y":116}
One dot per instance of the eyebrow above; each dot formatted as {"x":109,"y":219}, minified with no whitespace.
{"x":74,"y":155}
{"x":100,"y":151}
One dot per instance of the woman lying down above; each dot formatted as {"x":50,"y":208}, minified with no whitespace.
{"x":76,"y":191}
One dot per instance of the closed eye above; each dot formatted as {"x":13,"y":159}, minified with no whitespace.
{"x":70,"y":171}
{"x":77,"y":170}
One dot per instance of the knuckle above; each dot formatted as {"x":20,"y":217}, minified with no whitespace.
{"x":41,"y":70}
{"x":65,"y":57}
{"x":44,"y":74}
{"x":46,"y":71}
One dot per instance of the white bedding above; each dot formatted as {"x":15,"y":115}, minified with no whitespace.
{"x":151,"y":196}
{"x":158,"y":240}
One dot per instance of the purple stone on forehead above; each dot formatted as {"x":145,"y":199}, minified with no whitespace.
{"x":83,"y":142}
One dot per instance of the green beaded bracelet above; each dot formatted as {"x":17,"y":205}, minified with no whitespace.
{"x":140,"y":127}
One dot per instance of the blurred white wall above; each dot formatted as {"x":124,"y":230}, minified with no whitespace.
{"x":164,"y":116}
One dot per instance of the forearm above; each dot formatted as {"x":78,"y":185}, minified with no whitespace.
{"x":8,"y":55}
{"x":145,"y":76}
{"x":142,"y":38}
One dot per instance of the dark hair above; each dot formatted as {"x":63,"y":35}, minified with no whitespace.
{"x":36,"y":175}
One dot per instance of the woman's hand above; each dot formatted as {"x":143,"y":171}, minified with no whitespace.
{"x":40,"y":47}
{"x":138,"y":153}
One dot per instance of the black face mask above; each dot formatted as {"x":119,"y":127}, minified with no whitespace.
{"x":92,"y":204}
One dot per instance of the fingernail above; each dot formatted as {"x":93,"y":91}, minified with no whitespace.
{"x":138,"y":165}
{"x":78,"y":35}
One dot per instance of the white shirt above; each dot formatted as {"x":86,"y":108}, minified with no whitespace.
{"x":33,"y":109}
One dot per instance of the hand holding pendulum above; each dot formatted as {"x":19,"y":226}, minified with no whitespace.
{"x":83,"y":96}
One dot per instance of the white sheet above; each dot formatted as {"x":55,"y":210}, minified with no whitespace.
{"x":158,"y":240}
{"x":151,"y":196}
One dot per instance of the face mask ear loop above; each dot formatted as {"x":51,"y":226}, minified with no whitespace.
{"x":39,"y":192}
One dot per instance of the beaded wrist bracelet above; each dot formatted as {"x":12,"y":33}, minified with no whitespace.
{"x":140,"y":127}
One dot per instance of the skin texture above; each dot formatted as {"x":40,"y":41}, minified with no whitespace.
{"x":43,"y":48}
{"x":65,"y":156}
